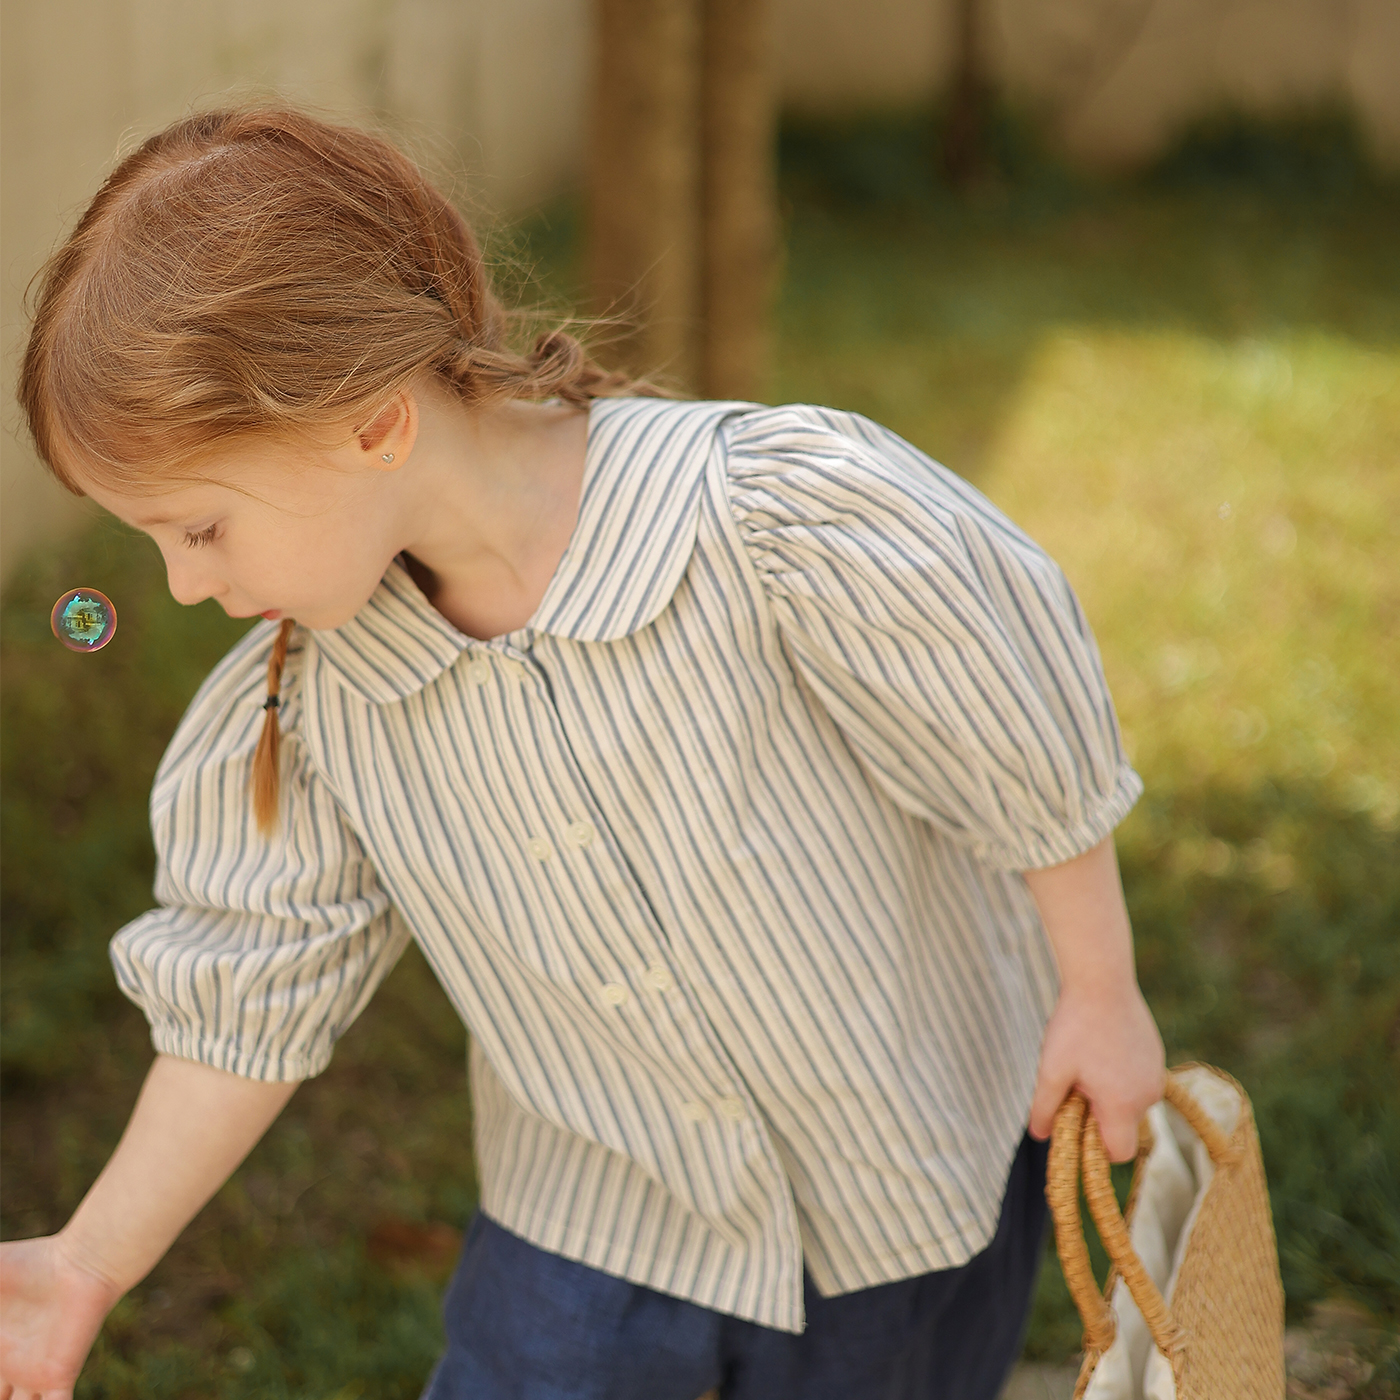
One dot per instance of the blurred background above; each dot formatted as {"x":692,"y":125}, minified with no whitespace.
{"x":1130,"y":266}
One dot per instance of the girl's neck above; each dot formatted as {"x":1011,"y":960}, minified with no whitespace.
{"x":490,"y":500}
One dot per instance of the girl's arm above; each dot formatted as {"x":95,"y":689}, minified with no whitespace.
{"x":1101,"y":1038}
{"x":191,"y":1127}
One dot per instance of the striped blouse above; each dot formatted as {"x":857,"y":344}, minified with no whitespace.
{"x":717,"y":857}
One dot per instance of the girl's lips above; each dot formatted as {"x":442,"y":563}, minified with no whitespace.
{"x":272,"y":614}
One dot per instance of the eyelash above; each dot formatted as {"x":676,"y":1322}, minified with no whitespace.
{"x":203,"y":537}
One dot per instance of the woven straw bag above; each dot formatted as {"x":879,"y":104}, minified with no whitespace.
{"x":1193,"y":1306}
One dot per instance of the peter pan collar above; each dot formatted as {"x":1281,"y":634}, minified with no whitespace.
{"x":638,"y":514}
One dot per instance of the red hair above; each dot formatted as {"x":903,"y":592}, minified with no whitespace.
{"x":260,"y":272}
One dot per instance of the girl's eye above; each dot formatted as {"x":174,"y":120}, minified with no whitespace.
{"x":203,"y":537}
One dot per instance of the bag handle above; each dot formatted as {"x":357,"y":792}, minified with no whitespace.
{"x":1222,"y":1153}
{"x":1076,"y":1150}
{"x":1062,"y":1192}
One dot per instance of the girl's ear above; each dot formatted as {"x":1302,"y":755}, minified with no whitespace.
{"x":389,"y":438}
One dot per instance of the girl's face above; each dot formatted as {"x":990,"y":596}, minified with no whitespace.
{"x":272,"y":530}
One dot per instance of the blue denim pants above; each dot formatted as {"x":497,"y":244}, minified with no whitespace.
{"x":523,"y":1324}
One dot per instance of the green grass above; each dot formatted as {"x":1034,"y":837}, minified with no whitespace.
{"x":1114,"y":366}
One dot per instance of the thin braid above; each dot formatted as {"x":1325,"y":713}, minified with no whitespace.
{"x":266,"y":775}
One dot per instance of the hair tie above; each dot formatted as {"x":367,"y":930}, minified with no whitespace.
{"x":271,"y":703}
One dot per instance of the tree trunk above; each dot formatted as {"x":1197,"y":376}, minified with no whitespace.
{"x":644,"y":211}
{"x":964,"y":141}
{"x":738,"y":197}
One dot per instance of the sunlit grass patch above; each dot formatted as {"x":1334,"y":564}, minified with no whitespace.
{"x":1229,"y":513}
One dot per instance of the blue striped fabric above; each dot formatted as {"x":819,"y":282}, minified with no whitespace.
{"x":718,"y":857}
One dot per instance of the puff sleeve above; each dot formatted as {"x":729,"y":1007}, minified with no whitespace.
{"x":946,"y":645}
{"x":263,"y":949}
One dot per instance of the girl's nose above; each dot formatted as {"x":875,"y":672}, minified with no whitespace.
{"x":189,"y":583}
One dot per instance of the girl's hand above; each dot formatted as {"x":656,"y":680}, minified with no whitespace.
{"x":1101,"y":1037}
{"x":51,"y":1309}
{"x":1107,"y":1045}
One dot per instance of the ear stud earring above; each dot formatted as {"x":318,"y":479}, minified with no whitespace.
{"x":386,"y":456}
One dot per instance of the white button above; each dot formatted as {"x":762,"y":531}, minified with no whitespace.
{"x":696,"y":1112}
{"x":582,"y":834}
{"x":515,"y":670}
{"x":614,"y":993}
{"x":479,"y":672}
{"x":659,"y":978}
{"x":733,"y":1109}
{"x":540,"y":848}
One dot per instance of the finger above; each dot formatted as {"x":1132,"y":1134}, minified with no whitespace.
{"x":1051,"y":1089}
{"x":1119,"y":1131}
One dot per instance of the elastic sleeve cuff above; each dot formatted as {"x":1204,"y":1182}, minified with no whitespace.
{"x":285,"y":1067}
{"x":1039,"y":849}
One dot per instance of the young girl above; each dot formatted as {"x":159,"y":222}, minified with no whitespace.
{"x":746,"y":778}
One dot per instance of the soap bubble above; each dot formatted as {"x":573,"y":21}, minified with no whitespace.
{"x":84,"y":619}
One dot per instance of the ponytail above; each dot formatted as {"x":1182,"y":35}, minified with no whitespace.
{"x":557,"y":367}
{"x":265,"y":777}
